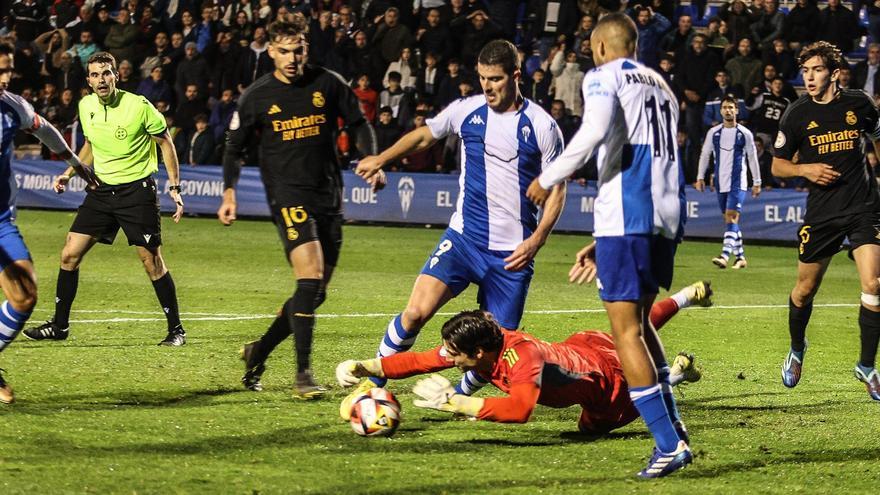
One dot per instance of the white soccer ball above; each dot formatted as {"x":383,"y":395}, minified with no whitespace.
{"x":375,"y":413}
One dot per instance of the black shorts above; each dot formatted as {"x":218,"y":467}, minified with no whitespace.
{"x":134,"y":207}
{"x":298,"y":225}
{"x":821,"y":240}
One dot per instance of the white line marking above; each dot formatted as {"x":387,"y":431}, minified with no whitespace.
{"x":198,"y":316}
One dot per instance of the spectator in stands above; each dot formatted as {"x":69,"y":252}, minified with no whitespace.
{"x":567,"y":80}
{"x":222,"y":58}
{"x":127,"y":80}
{"x":723,"y":88}
{"x":584,"y":30}
{"x":666,"y":68}
{"x":192,"y":70}
{"x":781,"y":57}
{"x":28,"y":19}
{"x":652,"y":28}
{"x":69,"y":74}
{"x":66,"y":112}
{"x":766,"y":110}
{"x":192,"y":105}
{"x":201,"y":144}
{"x":188,"y":27}
{"x":537,"y":88}
{"x":865,"y":74}
{"x":717,"y":41}
{"x":449,"y":85}
{"x":392,"y":94}
{"x":387,"y":131}
{"x":696,"y":71}
{"x":801,"y":24}
{"x":676,"y":42}
{"x":552,"y":19}
{"x":738,"y":17}
{"x":765,"y":161}
{"x":86,"y":20}
{"x":435,"y":37}
{"x":52,"y":44}
{"x":406,"y":66}
{"x":389,"y":36}
{"x":47,"y":101}
{"x":206,"y":30}
{"x":567,"y":124}
{"x":768,"y":24}
{"x":254,"y":61}
{"x":102,"y":27}
{"x":85,"y":48}
{"x":873,"y":12}
{"x":321,"y":38}
{"x":744,"y":68}
{"x":479,"y":30}
{"x":838,"y":25}
{"x":585,"y":56}
{"x":242,"y":29}
{"x":429,"y":159}
{"x":66,"y":11}
{"x":221,"y":115}
{"x":155,"y":88}
{"x":844,"y":80}
{"x":348,"y":20}
{"x":121,"y":39}
{"x":360,"y":61}
{"x":367,"y":97}
{"x":429,"y":78}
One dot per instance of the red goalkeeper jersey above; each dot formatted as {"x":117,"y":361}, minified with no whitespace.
{"x":583,"y":370}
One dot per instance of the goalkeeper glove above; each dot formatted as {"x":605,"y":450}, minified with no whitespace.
{"x":349,"y":373}
{"x":437,"y":393}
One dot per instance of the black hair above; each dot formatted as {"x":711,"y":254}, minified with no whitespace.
{"x":469,"y":331}
{"x":500,"y":52}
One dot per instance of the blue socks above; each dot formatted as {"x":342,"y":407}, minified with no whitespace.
{"x":11,"y":323}
{"x":649,"y":402}
{"x":397,"y":339}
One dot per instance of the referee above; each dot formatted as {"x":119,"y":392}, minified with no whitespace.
{"x":121,"y":131}
{"x":825,"y":128}
{"x":293,"y":113}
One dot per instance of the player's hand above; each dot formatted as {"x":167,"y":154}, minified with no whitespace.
{"x":584,"y":268}
{"x":60,"y":184}
{"x":368,"y":166}
{"x":700,"y":185}
{"x":226,"y":213}
{"x":178,"y":203}
{"x":537,"y":194}
{"x":523,"y":254}
{"x":378,"y":181}
{"x":756,"y":191}
{"x":88,"y":174}
{"x":349,"y":373}
{"x":819,"y":173}
{"x":435,"y":392}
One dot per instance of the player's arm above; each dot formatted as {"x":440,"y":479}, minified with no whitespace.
{"x":515,"y":408}
{"x":786,"y":144}
{"x":86,"y":157}
{"x":366,"y":142}
{"x":240,"y":131}
{"x":705,"y":153}
{"x":172,"y":166}
{"x":599,"y":97}
{"x":400,"y":365}
{"x":754,"y":166}
{"x":418,"y":139}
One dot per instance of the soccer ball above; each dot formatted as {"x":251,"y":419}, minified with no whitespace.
{"x":375,"y":414}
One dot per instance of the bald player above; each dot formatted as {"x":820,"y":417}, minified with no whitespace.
{"x":639,"y":217}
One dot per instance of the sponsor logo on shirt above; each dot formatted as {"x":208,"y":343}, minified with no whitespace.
{"x":274,"y":109}
{"x":299,"y":127}
{"x":476,"y":120}
{"x":812,"y":125}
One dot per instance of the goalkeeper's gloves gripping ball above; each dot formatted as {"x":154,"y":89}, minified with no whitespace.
{"x":437,"y":393}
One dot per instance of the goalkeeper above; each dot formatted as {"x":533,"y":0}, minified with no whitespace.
{"x":583,"y":370}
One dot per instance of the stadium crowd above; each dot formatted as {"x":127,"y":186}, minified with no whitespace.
{"x":406,"y":60}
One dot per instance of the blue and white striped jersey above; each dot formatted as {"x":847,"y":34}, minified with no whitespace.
{"x":501,"y":154}
{"x":630,"y":121}
{"x":731,"y":146}
{"x":15,"y":113}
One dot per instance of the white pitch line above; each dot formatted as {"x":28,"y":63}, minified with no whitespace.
{"x":240,"y":317}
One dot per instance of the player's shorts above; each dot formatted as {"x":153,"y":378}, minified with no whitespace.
{"x":631,"y":266}
{"x":821,"y":240}
{"x":458,"y":262}
{"x":613,"y":409}
{"x":732,"y":200}
{"x":134,"y":207}
{"x":12,"y":247}
{"x":298,"y":224}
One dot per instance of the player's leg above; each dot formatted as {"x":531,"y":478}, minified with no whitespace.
{"x":75,"y":248}
{"x":728,"y":240}
{"x":800,"y":308}
{"x":308,"y":267}
{"x":731,"y":217}
{"x":867,"y":258}
{"x":166,"y":293}
{"x":19,"y":284}
{"x":698,"y":293}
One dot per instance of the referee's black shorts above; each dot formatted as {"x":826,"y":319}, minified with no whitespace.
{"x":298,"y":224}
{"x":823,"y":239}
{"x":134,"y":207}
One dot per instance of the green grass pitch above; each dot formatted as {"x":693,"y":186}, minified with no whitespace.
{"x":107,"y":411}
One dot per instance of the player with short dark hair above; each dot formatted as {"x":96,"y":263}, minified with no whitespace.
{"x":582,"y":370}
{"x":121,"y":130}
{"x":292,"y":113}
{"x":494,"y":233}
{"x":17,"y":277}
{"x":732,"y":146}
{"x":824,"y":128}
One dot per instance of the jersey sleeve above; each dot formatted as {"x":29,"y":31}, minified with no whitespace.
{"x":84,"y":123}
{"x":751,"y":156}
{"x":600,"y":97}
{"x":789,"y":136}
{"x":872,"y":119}
{"x":406,"y":364}
{"x":446,"y":122}
{"x":525,"y":365}
{"x":241,"y":127}
{"x":551,"y":143}
{"x":154,"y":121}
{"x":705,"y":153}
{"x":30,"y":121}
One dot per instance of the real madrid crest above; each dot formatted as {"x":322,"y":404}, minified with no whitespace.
{"x":851,"y":118}
{"x":317,"y":99}
{"x":120,"y":133}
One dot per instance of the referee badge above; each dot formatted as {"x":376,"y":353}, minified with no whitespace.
{"x":318,"y":99}
{"x":851,"y":118}
{"x":120,"y":133}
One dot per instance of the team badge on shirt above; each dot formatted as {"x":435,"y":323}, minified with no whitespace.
{"x":120,"y":133}
{"x":318,"y":99}
{"x":851,"y":118}
{"x":780,"y":140}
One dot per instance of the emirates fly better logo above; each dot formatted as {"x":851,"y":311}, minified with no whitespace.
{"x":406,"y":188}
